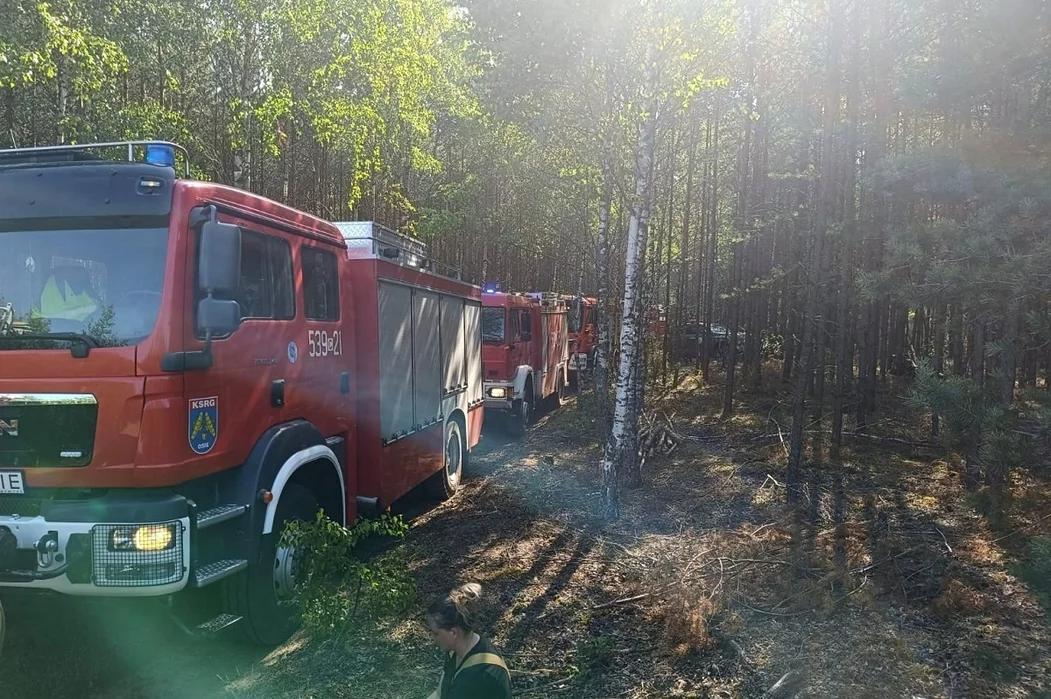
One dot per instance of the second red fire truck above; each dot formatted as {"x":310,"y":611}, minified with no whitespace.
{"x":185,"y":367}
{"x":525,"y":353}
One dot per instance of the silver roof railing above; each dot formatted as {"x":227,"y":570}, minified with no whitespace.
{"x":128,"y":147}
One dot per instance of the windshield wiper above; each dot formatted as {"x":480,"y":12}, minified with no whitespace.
{"x":80,"y":344}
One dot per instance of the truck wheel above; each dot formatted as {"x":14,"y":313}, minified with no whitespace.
{"x":259,"y":594}
{"x":445,"y":483}
{"x":523,"y":412}
{"x":560,"y":390}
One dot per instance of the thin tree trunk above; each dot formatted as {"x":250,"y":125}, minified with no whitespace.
{"x":602,"y":276}
{"x":844,"y":333}
{"x":713,"y":237}
{"x":813,"y":325}
{"x":825,"y":203}
{"x":939,"y":359}
{"x":617,"y":458}
{"x":684,"y":244}
{"x":973,"y":466}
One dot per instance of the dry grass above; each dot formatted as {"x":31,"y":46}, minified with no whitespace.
{"x":892,"y":586}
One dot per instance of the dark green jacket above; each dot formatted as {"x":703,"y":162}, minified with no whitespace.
{"x":482,"y":675}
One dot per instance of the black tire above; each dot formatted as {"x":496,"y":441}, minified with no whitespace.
{"x":574,"y":381}
{"x":560,"y":390}
{"x":523,"y":412}
{"x":444,"y":484}
{"x":3,"y":628}
{"x":253,"y":593}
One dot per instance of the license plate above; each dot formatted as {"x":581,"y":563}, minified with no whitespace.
{"x":12,"y":483}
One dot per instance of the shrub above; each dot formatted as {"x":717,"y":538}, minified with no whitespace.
{"x":335,"y":583}
{"x":687,"y":614}
{"x":594,"y":655}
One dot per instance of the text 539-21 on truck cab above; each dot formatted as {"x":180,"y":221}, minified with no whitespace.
{"x":184,"y":367}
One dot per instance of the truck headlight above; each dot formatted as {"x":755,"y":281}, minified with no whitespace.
{"x":498,"y":392}
{"x":150,"y":537}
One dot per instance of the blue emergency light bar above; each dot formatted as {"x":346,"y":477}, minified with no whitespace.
{"x":160,"y":154}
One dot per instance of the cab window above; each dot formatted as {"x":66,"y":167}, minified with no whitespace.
{"x":512,"y":331}
{"x":320,"y":285}
{"x":266,"y":290}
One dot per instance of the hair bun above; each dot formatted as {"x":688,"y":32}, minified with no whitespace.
{"x":466,"y":598}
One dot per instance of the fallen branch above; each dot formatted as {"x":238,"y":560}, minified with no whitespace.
{"x":864,"y":436}
{"x":892,"y":440}
{"x":945,"y":540}
{"x":788,"y":685}
{"x":626,"y":600}
{"x":550,"y":685}
{"x":740,"y":653}
{"x":1020,"y":529}
{"x":780,"y":614}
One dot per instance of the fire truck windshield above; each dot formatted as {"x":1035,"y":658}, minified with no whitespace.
{"x":493,"y":322}
{"x":103,"y":285}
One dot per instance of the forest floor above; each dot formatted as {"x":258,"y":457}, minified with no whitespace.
{"x":706,"y":587}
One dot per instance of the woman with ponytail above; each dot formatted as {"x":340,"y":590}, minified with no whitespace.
{"x":473,"y":669}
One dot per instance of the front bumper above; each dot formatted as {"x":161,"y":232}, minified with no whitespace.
{"x":499,"y":395}
{"x":68,"y":547}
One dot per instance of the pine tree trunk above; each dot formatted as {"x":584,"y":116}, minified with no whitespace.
{"x":712,"y":257}
{"x":742,"y":223}
{"x":602,"y":276}
{"x":939,"y":359}
{"x":684,"y":244}
{"x":845,"y":337}
{"x":973,"y":466}
{"x":825,"y":204}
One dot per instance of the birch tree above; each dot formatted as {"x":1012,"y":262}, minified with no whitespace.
{"x":618,"y":458}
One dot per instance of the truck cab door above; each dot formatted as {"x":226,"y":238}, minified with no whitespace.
{"x":243,"y":392}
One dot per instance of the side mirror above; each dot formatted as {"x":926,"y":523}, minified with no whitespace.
{"x":527,"y":336}
{"x":217,"y":316}
{"x":219,"y":258}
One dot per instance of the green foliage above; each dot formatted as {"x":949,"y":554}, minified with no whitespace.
{"x":594,"y":656}
{"x":334,"y":585}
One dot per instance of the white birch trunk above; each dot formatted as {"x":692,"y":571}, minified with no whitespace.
{"x":617,"y":457}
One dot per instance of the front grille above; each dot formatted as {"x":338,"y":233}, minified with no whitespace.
{"x":23,"y":507}
{"x":47,"y":429}
{"x":134,"y":568}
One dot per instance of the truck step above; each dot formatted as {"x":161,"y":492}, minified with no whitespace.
{"x":217,"y":515}
{"x":214,"y":572}
{"x":214,"y":626}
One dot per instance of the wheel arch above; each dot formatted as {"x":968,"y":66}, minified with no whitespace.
{"x":459,"y":417}
{"x":278,"y":455}
{"x":317,"y":469}
{"x":523,"y":376}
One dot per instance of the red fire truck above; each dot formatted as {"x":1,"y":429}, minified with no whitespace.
{"x":583,"y":336}
{"x":525,"y":352}
{"x":185,"y":367}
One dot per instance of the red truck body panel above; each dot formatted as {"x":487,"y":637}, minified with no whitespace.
{"x":388,"y":471}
